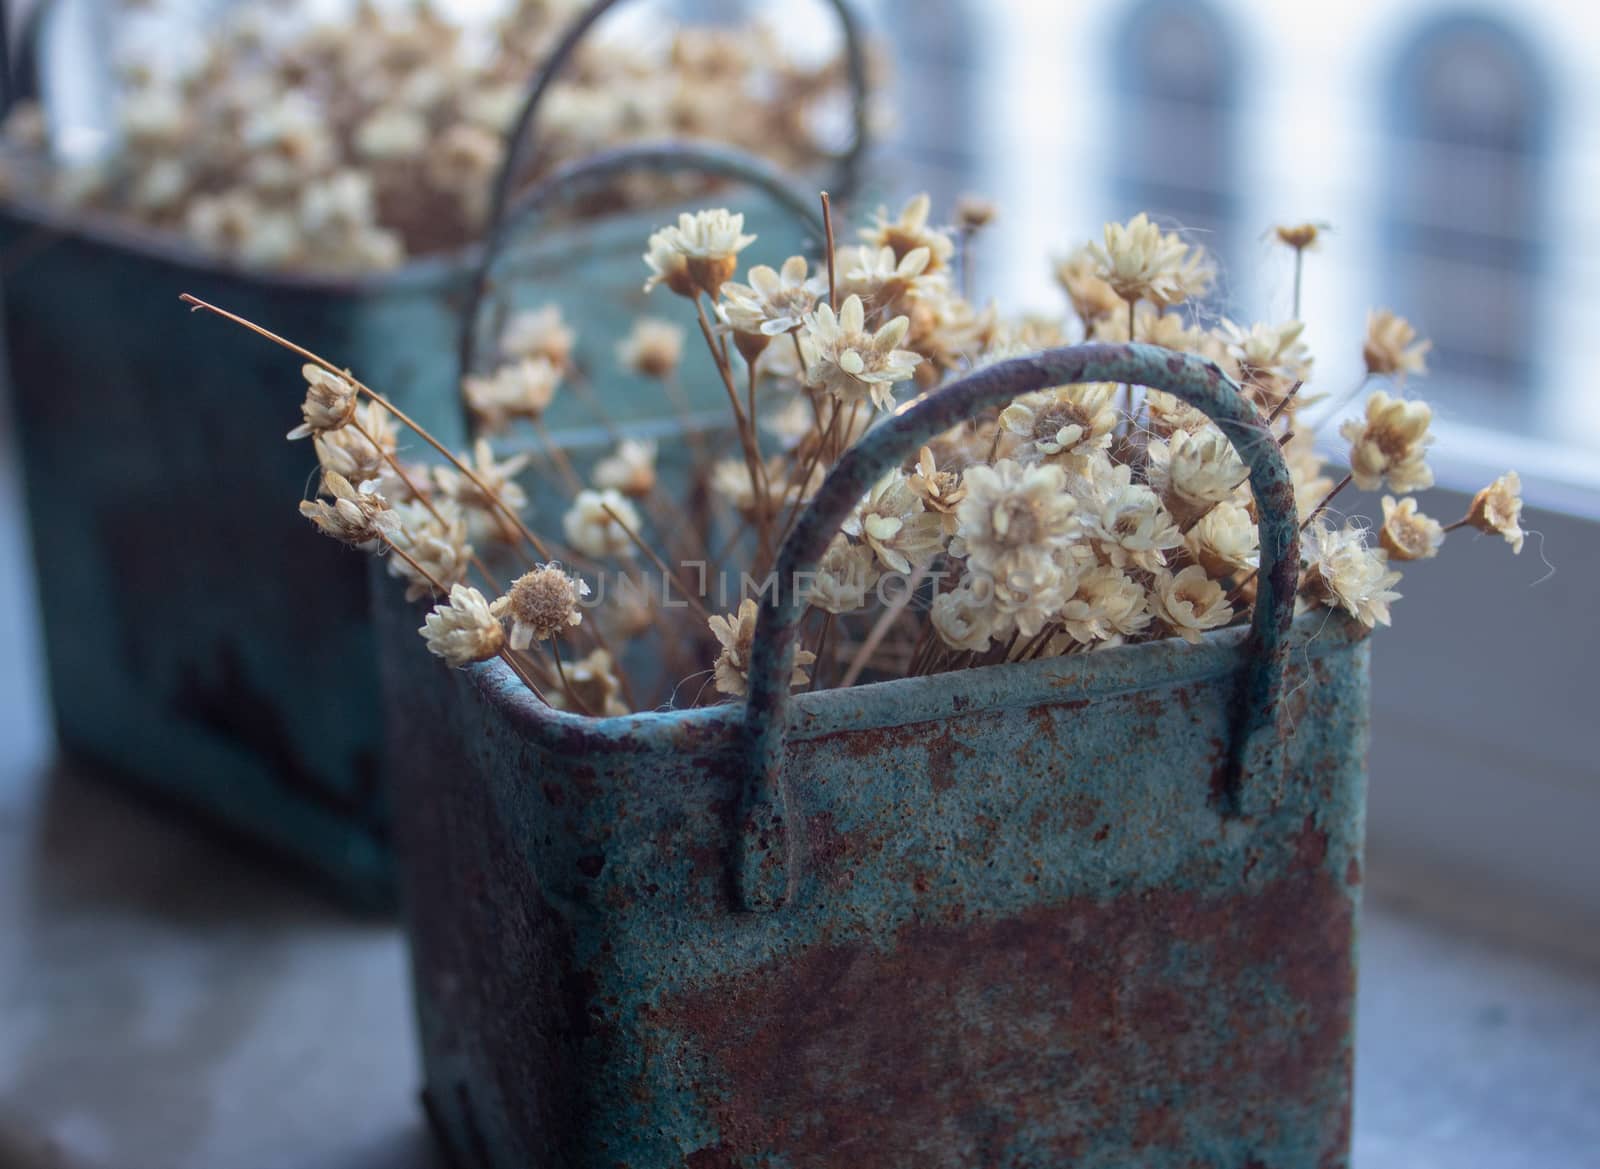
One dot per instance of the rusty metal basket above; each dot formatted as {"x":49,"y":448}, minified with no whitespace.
{"x":201,"y":642}
{"x":1095,"y":911}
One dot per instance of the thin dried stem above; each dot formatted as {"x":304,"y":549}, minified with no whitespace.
{"x":556,"y":455}
{"x":881,"y":627}
{"x":827,"y":228}
{"x":688,"y":593}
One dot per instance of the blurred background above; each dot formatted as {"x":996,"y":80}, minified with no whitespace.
{"x":1452,"y":151}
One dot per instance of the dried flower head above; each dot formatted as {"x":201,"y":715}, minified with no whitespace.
{"x":631,"y":469}
{"x":1127,"y":521}
{"x":880,"y":277}
{"x":518,"y":389}
{"x":848,"y":361}
{"x":359,"y":454}
{"x":1390,"y":444}
{"x":491,"y":481}
{"x":1141,"y":262}
{"x":974,"y":213}
{"x":1391,"y":346}
{"x":736,"y":633}
{"x":966,"y":617}
{"x":590,"y":684}
{"x":700,"y":254}
{"x":1497,"y":509}
{"x":1012,"y":520}
{"x":436,"y":543}
{"x":592,"y":526}
{"x":1106,"y":606}
{"x":1190,"y":602}
{"x":941,"y":492}
{"x":1302,"y":237}
{"x":892,"y":522}
{"x":1344,"y":571}
{"x":1062,"y":424}
{"x":358,"y":517}
{"x":1192,"y":470}
{"x":653,"y":349}
{"x":1092,"y":298}
{"x":1224,"y":541}
{"x":774,"y":302}
{"x":541,"y":605}
{"x":330,"y":402}
{"x":463,"y":630}
{"x":844,"y":577}
{"x":910,"y":232}
{"x":1407,"y":534}
{"x":1268,"y":356}
{"x":538,"y":333}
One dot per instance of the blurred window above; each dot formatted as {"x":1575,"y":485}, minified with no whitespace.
{"x":936,"y":50}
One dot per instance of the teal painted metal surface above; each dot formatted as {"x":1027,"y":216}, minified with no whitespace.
{"x":1095,"y":911}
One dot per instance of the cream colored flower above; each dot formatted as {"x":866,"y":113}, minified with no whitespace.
{"x":356,"y":455}
{"x":440,"y":549}
{"x":653,"y":349}
{"x":736,"y":633}
{"x":910,"y":232}
{"x":1390,"y":445}
{"x":699,"y":254}
{"x":966,"y":617}
{"x":1407,"y":534}
{"x":1012,"y":520}
{"x":1344,"y":571}
{"x":1272,"y":356}
{"x":1169,"y":414}
{"x":1190,"y":603}
{"x":1225,"y":541}
{"x":631,"y":469}
{"x":730,"y":479}
{"x":1107,"y":604}
{"x":774,"y":302}
{"x":1302,"y":237}
{"x":1192,"y":470}
{"x":893,"y":522}
{"x":358,"y":517}
{"x":1092,"y":298}
{"x":879,"y":276}
{"x":494,"y":481}
{"x":519,"y":389}
{"x":462,"y":161}
{"x":589,"y":684}
{"x":1391,"y":346}
{"x":974,"y":213}
{"x":542,"y":604}
{"x":844,"y":577}
{"x":330,"y":402}
{"x":1141,"y":262}
{"x":538,"y":333}
{"x":1498,"y":509}
{"x":941,"y":492}
{"x":1151,"y":326}
{"x":1064,"y":423}
{"x":848,"y":361}
{"x":389,"y":134}
{"x":1127,"y":522}
{"x":592,"y":527}
{"x":463,"y":631}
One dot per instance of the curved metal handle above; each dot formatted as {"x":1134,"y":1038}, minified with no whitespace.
{"x":768,"y":862}
{"x":667,"y":158}
{"x":517,"y":145}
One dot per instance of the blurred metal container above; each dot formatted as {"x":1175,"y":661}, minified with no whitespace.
{"x":1096,"y":910}
{"x":201,"y":640}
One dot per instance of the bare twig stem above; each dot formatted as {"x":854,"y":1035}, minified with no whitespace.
{"x":827,"y":228}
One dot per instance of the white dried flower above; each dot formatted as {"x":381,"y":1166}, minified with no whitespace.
{"x":1106,"y":605}
{"x":1062,"y":424}
{"x":463,"y":630}
{"x":440,"y":549}
{"x":1390,"y":444}
{"x":1344,"y":571}
{"x":1497,"y":509}
{"x":1391,"y":346}
{"x":630,"y":469}
{"x":589,"y":684}
{"x":1224,"y":541}
{"x":892,"y":521}
{"x":774,"y":302}
{"x":941,"y":492}
{"x":1268,"y":355}
{"x":1128,"y":522}
{"x":1190,"y":602}
{"x":491,"y":480}
{"x":541,"y":605}
{"x":852,"y":363}
{"x":330,"y":402}
{"x":1092,"y":298}
{"x":1192,"y":470}
{"x":879,"y":276}
{"x":910,"y":232}
{"x":358,"y":517}
{"x":736,"y":634}
{"x":844,"y":577}
{"x":390,"y":134}
{"x":358,"y":454}
{"x":592,"y":526}
{"x":653,"y":349}
{"x":519,"y":389}
{"x":1141,"y":262}
{"x":1012,"y":520}
{"x":1407,"y":534}
{"x":966,"y":618}
{"x":538,"y":333}
{"x":699,"y":254}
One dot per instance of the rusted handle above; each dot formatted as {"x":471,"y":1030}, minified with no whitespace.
{"x":767,"y":869}
{"x":517,"y":145}
{"x":570,"y":180}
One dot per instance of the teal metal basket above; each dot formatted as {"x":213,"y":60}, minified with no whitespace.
{"x":202,"y":642}
{"x":1094,"y":911}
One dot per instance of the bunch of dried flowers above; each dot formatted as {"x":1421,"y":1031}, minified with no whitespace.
{"x":298,"y":143}
{"x":1074,"y":520}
